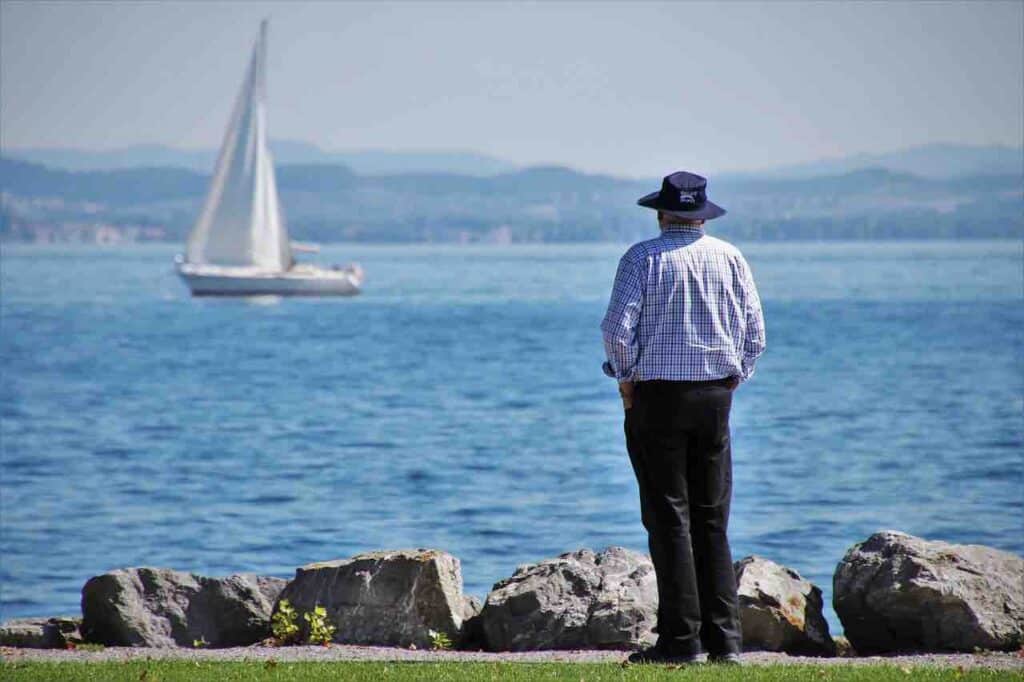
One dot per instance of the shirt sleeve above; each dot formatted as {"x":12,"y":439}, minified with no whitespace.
{"x":754,"y":340}
{"x":619,"y":327}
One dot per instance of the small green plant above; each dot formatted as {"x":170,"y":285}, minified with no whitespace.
{"x":439,"y":640}
{"x":320,"y":629}
{"x":283,"y":625}
{"x":200,"y":643}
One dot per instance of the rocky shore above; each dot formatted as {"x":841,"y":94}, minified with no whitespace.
{"x":895,"y":594}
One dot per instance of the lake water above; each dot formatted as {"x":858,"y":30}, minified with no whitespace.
{"x":459,"y":404}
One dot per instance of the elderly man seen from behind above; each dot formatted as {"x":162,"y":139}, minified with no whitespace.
{"x":684,"y":328}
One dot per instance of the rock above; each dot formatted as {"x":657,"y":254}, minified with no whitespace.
{"x":781,"y":611}
{"x":387,"y":598}
{"x":472,"y":636}
{"x":843,"y":647}
{"x":896,"y":592}
{"x":161,"y":607}
{"x":41,"y":633}
{"x":579,"y":600}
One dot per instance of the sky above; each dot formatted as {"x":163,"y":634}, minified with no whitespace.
{"x":630,"y":89}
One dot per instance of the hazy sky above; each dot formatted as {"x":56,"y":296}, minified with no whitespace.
{"x":626,"y":88}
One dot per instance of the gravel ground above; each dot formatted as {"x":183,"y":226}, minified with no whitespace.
{"x":341,"y":652}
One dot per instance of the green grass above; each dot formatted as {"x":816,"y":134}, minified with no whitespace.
{"x":188,"y":671}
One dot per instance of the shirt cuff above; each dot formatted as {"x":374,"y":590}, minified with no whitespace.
{"x":609,"y":371}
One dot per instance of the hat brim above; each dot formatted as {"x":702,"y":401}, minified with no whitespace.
{"x":709,"y":211}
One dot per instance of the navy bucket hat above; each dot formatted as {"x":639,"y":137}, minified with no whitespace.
{"x":683,"y":195}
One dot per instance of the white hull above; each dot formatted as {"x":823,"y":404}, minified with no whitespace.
{"x":302,"y":280}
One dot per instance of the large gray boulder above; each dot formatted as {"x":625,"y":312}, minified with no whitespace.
{"x":387,"y":598}
{"x":897,"y":592}
{"x":780,"y":610}
{"x":41,"y":633}
{"x":578,"y":600}
{"x":161,"y":607}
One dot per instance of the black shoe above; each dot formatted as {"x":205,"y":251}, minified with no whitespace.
{"x":725,"y":659}
{"x":656,"y":655}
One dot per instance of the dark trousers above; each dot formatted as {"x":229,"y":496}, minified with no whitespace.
{"x":677,"y":434}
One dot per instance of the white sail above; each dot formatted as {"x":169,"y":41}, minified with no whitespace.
{"x":241,"y":223}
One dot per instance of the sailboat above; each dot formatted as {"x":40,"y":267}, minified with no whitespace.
{"x":239,"y":245}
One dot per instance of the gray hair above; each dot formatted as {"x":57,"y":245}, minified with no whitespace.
{"x":676,"y":220}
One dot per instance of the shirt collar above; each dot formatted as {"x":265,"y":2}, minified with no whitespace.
{"x":680,"y":227}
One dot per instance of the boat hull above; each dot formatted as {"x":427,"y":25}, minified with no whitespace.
{"x":244,"y":282}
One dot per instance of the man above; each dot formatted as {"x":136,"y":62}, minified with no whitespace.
{"x":683,"y":329}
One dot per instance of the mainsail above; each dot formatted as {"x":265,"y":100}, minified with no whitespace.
{"x":241,"y":222}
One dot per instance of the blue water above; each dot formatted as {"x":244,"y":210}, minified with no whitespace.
{"x":459,"y":404}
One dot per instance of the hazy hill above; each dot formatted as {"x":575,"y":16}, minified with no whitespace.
{"x":330,"y":202}
{"x":930,"y":161}
{"x":934,"y":161}
{"x":367,"y":162}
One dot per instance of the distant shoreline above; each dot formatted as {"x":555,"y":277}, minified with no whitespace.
{"x":323,"y":203}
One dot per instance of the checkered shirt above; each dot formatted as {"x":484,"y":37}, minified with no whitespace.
{"x":684,"y":308}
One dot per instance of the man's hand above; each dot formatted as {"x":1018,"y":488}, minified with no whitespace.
{"x":626,"y":393}
{"x":734,"y":382}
